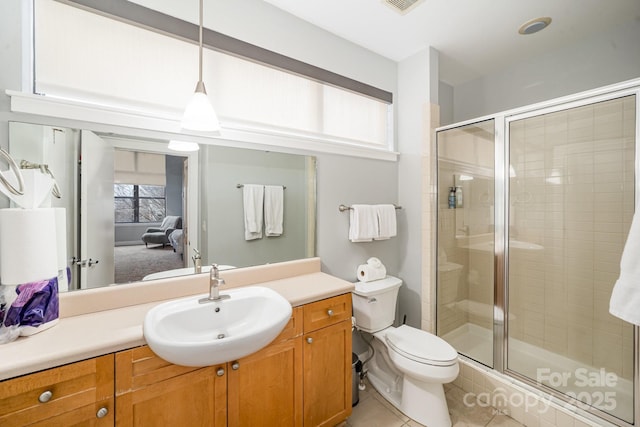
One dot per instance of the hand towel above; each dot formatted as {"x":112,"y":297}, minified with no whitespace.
{"x":363,"y":223}
{"x":625,"y":298}
{"x":273,"y":210}
{"x":253,"y":199}
{"x":387,"y":226}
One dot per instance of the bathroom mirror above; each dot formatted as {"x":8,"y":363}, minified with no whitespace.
{"x":115,"y":187}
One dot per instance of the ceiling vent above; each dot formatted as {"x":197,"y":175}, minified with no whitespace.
{"x":402,"y":6}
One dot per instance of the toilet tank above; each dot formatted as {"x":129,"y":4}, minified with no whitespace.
{"x":374,"y":303}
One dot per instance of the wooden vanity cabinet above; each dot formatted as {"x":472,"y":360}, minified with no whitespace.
{"x":265,"y":388}
{"x":153,"y":392}
{"x":80,"y":393}
{"x":303,"y":378}
{"x":327,"y":361}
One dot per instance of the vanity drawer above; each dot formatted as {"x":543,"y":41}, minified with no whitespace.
{"x":140,"y":367}
{"x":327,"y":312}
{"x":72,"y":392}
{"x":293,"y":328}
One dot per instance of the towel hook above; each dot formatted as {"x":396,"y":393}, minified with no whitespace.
{"x":25,"y":164}
{"x":14,"y":168}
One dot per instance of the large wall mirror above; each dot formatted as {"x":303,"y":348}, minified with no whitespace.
{"x":137,"y":211}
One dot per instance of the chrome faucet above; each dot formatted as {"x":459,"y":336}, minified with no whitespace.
{"x":214,"y":286}
{"x":197,"y":262}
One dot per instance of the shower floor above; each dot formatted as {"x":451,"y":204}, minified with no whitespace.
{"x":542,"y":365}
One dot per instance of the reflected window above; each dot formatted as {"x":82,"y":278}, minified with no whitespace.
{"x":139,"y":203}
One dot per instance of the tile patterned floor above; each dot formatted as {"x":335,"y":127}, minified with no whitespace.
{"x":374,"y":411}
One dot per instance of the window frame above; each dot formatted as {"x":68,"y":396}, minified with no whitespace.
{"x":136,"y":203}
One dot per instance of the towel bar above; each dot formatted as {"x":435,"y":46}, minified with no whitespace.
{"x":284,"y":187}
{"x":343,"y":208}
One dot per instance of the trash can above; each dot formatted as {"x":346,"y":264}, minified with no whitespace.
{"x":356,"y":368}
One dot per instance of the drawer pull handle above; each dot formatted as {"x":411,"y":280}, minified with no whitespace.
{"x":330,"y":312}
{"x":309,"y":340}
{"x":235,"y":366}
{"x":45,"y":396}
{"x":220,"y":372}
{"x":102,"y":412}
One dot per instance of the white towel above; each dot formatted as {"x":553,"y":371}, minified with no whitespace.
{"x":253,"y":197}
{"x":363,"y":223}
{"x":625,"y":298}
{"x":387,"y":226}
{"x":273,"y":210}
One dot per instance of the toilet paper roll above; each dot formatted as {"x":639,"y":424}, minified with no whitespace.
{"x":28,"y":248}
{"x":366,"y":273}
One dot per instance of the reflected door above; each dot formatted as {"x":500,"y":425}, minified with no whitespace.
{"x":96,"y":265}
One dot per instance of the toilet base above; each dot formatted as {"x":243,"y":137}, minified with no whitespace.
{"x":425,"y":403}
{"x":420,"y":401}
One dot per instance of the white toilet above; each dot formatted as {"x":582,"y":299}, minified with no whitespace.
{"x":409,"y":365}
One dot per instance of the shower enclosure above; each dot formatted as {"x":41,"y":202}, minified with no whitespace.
{"x":534,"y":207}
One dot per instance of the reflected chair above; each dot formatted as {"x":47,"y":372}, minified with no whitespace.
{"x":160,"y":235}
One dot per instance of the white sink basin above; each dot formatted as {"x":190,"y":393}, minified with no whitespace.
{"x":188,"y":333}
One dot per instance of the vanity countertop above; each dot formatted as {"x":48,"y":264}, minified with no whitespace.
{"x":102,"y":330}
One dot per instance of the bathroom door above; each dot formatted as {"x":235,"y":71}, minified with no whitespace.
{"x":96,"y":212}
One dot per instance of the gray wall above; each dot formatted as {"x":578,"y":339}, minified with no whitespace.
{"x":173,"y":190}
{"x":445,"y":100}
{"x":350,"y":180}
{"x":596,"y":61}
{"x":11,"y":60}
{"x":222,"y":169}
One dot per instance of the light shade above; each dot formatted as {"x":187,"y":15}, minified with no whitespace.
{"x":199,"y":114}
{"x":176,"y":145}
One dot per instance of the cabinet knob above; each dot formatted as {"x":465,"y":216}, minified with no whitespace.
{"x":235,"y":366}
{"x":309,"y":340}
{"x":330,"y":312}
{"x":102,"y":412}
{"x":45,"y":396}
{"x":220,"y":372}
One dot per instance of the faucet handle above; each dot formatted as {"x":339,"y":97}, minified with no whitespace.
{"x":196,"y":254}
{"x":214,"y":271}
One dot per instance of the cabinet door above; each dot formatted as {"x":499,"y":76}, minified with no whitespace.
{"x":80,"y":393}
{"x":265,"y":388}
{"x":327,"y":375}
{"x":153,"y":392}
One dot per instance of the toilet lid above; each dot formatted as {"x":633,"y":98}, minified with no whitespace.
{"x":421,"y":346}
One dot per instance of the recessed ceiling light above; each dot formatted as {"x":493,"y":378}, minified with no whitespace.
{"x":534,"y":25}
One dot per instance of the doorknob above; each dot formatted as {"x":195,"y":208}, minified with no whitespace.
{"x":84,"y":262}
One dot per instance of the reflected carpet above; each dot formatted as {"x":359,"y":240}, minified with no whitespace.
{"x":132,"y":263}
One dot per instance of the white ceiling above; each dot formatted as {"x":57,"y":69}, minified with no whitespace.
{"x":474,"y":37}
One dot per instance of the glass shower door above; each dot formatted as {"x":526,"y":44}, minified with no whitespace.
{"x":465,"y":272}
{"x":570,"y":205}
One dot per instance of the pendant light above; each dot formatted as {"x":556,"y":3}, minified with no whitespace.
{"x":199,"y":114}
{"x":177,"y":145}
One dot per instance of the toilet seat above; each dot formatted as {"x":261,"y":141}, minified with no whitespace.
{"x":421,"y":346}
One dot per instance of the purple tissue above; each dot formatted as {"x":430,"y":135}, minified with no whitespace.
{"x":37,"y":303}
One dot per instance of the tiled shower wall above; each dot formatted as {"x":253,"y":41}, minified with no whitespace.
{"x":572,"y":193}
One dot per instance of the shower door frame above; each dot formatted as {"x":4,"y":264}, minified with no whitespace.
{"x":502,"y":259}
{"x":501,"y":232}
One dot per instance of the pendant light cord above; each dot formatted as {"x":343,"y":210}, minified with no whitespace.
{"x":200,"y":44}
